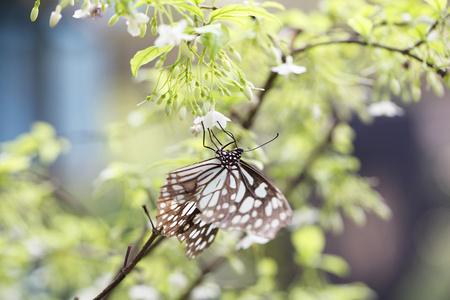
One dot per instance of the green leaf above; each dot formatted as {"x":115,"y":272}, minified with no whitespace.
{"x":335,"y":265}
{"x":215,"y":37}
{"x":145,"y":56}
{"x":309,"y":241}
{"x":13,"y":163}
{"x":363,"y":26}
{"x":438,"y":5}
{"x":193,"y":10}
{"x":232,"y":12}
{"x":273,"y":4}
{"x":197,"y":2}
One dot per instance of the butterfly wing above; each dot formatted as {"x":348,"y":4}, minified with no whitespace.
{"x":182,"y":220}
{"x":241,"y":198}
{"x":177,"y":206}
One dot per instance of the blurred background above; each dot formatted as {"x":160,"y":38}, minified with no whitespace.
{"x":76,"y":76}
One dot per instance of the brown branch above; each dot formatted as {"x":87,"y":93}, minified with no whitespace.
{"x":208,"y":269}
{"x":248,"y":122}
{"x":406,"y":51}
{"x":311,"y":159}
{"x":125,"y":271}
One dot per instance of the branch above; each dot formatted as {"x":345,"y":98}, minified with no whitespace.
{"x":311,"y":159}
{"x":126,"y":270}
{"x":208,"y":269}
{"x":248,"y":122}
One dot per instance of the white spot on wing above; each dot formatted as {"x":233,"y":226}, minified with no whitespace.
{"x":260,"y":191}
{"x":249,"y":178}
{"x":247,"y":205}
{"x":268,"y":209}
{"x":240,"y":193}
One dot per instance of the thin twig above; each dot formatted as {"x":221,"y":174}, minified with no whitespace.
{"x":248,"y":122}
{"x":125,"y":271}
{"x":406,"y":51}
{"x":208,"y":269}
{"x":125,"y":261}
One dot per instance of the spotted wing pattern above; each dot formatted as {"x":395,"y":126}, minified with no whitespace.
{"x":222,"y":192}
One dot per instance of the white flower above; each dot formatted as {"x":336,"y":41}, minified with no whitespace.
{"x":134,"y":20}
{"x":143,"y":292}
{"x":385,"y":108}
{"x":316,"y":112}
{"x":206,"y":291}
{"x":136,"y":118}
{"x":178,"y":280}
{"x":172,"y":35}
{"x":213,"y":118}
{"x":88,"y":10}
{"x":249,"y":240}
{"x":304,"y":216}
{"x":55,"y":16}
{"x":196,"y":129}
{"x":288,"y":67}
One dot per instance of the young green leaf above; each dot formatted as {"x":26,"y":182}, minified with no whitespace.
{"x":192,"y":9}
{"x":438,"y":5}
{"x":233,"y":12}
{"x":215,"y":37}
{"x":363,"y":26}
{"x":147,"y":55}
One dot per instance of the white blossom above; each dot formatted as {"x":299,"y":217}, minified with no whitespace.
{"x":172,"y":35}
{"x":55,"y":16}
{"x":178,"y":280}
{"x":206,"y":291}
{"x":143,"y":292}
{"x":385,"y":108}
{"x":136,"y":118}
{"x":134,"y":20}
{"x":316,"y":112}
{"x":288,"y":67}
{"x":196,"y":129}
{"x":213,"y":118}
{"x":304,"y":216}
{"x":249,"y":240}
{"x":88,"y":10}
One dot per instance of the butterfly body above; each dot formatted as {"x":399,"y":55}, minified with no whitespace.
{"x":223,"y":192}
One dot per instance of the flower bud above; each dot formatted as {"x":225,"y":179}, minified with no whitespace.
{"x":161,"y":99}
{"x":55,"y":16}
{"x":227,"y":92}
{"x":226,"y":65}
{"x":182,"y":113}
{"x":34,"y":13}
{"x":198,"y":110}
{"x":154,"y":26}
{"x":175,"y":102}
{"x":160,"y":61}
{"x":247,"y":91}
{"x":168,"y":109}
{"x":175,"y":71}
{"x":143,"y":30}
{"x":113,"y":20}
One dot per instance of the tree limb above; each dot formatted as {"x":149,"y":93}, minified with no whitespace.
{"x":125,"y":271}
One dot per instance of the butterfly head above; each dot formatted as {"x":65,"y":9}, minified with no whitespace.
{"x":229,"y":157}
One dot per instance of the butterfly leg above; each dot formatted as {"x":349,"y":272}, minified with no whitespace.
{"x":203,"y":126}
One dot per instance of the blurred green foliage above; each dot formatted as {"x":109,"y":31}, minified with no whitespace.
{"x":356,"y":52}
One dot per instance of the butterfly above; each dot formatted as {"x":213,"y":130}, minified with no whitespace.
{"x":223,"y":192}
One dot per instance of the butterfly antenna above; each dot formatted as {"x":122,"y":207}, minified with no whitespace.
{"x":263,"y":144}
{"x":204,"y":133}
{"x":229,"y":134}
